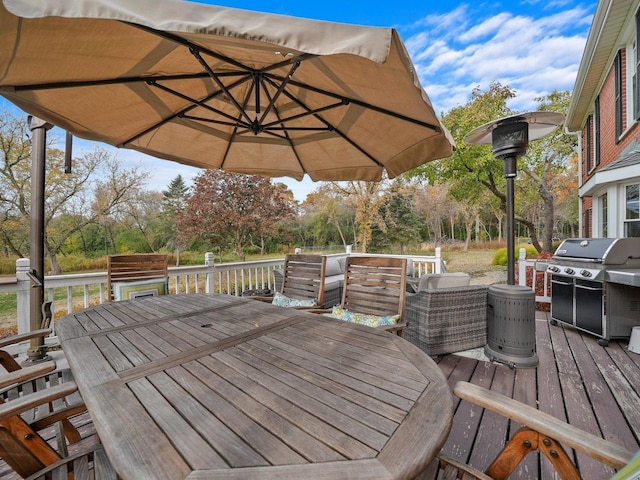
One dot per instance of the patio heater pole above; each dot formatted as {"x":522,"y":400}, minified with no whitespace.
{"x":39,"y":129}
{"x":510,"y":141}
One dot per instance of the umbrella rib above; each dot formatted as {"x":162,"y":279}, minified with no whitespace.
{"x":280,"y":89}
{"x":221,"y":85}
{"x":360,"y":103}
{"x":194,"y":104}
{"x":111,"y":81}
{"x":285,"y":133}
{"x":184,"y":42}
{"x":199,"y":103}
{"x":305,"y":114}
{"x":333,"y":128}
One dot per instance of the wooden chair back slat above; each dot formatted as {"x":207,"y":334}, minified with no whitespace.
{"x":131,"y":268}
{"x":304,"y":277}
{"x":375,"y":285}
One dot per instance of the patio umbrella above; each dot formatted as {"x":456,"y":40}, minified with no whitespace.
{"x":222,"y":88}
{"x":215,"y":87}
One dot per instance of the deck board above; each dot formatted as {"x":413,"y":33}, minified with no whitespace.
{"x":597,"y":388}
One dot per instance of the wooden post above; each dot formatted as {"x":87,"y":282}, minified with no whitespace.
{"x":23,"y":292}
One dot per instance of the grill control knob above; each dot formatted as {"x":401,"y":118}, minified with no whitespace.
{"x":585,"y":273}
{"x":554,"y":268}
{"x":569,"y":271}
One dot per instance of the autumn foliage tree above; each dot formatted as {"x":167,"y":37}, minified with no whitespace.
{"x":231,"y":210}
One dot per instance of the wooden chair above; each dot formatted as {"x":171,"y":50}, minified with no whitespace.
{"x":89,"y":464}
{"x":540,"y":431}
{"x":32,"y":399}
{"x":376,"y":286}
{"x":303,"y":278}
{"x":7,"y":359}
{"x":136,"y":268}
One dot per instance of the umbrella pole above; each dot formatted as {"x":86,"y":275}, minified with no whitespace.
{"x":36,"y":352}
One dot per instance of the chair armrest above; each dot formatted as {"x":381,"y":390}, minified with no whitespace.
{"x":261,"y":299}
{"x":24,"y":336}
{"x":318,"y":310}
{"x":471,"y":472}
{"x":27,"y":373}
{"x":397,"y":328}
{"x":22,"y":404}
{"x":596,"y":447}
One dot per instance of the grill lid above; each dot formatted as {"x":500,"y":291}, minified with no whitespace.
{"x":610,"y":251}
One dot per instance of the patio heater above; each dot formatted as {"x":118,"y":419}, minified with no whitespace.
{"x":511,"y":308}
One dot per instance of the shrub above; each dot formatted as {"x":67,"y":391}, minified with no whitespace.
{"x":500,"y":257}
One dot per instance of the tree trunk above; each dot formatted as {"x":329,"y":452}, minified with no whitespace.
{"x":53,"y":261}
{"x":547,"y":199}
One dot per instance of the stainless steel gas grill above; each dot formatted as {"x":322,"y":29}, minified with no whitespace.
{"x":595,"y":285}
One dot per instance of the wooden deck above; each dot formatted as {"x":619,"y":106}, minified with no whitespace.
{"x":591,"y":387}
{"x":595,"y":388}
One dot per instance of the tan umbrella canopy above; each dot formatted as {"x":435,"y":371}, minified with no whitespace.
{"x":222,"y":88}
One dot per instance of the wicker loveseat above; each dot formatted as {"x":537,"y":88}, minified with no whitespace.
{"x":447,"y":320}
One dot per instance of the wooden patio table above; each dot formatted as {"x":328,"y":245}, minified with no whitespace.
{"x":220,"y":387}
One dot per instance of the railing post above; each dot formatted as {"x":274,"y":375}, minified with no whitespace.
{"x":522,"y":268}
{"x":210,"y":277}
{"x":23,"y":289}
{"x":438,"y":260}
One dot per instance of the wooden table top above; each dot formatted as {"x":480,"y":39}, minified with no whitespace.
{"x":220,"y":387}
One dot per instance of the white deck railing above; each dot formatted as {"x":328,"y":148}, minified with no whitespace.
{"x":539,"y":278}
{"x":77,"y":291}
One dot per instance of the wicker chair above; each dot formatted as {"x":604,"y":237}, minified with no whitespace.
{"x":447,"y":320}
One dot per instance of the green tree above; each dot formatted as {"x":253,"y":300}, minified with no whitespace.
{"x":67,"y":196}
{"x":398,"y":222}
{"x":473,"y":170}
{"x":174,"y":201}
{"x":545,"y":166}
{"x":329,"y":218}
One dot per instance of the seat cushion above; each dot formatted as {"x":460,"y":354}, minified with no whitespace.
{"x":142,"y":288}
{"x":284,"y":301}
{"x":364,"y":318}
{"x":334,"y":267}
{"x":443,"y":280}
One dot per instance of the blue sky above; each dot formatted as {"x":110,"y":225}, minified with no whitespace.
{"x":534,"y":46}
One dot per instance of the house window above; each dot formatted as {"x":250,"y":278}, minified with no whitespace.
{"x":618,"y":94}
{"x":596,"y":152}
{"x":589,"y":142}
{"x":632,"y":211}
{"x":602,"y":211}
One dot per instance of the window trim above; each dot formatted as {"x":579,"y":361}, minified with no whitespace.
{"x":596,"y":133}
{"x":619,"y":107}
{"x":589,"y":143}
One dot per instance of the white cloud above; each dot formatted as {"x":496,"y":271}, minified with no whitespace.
{"x":474,"y":46}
